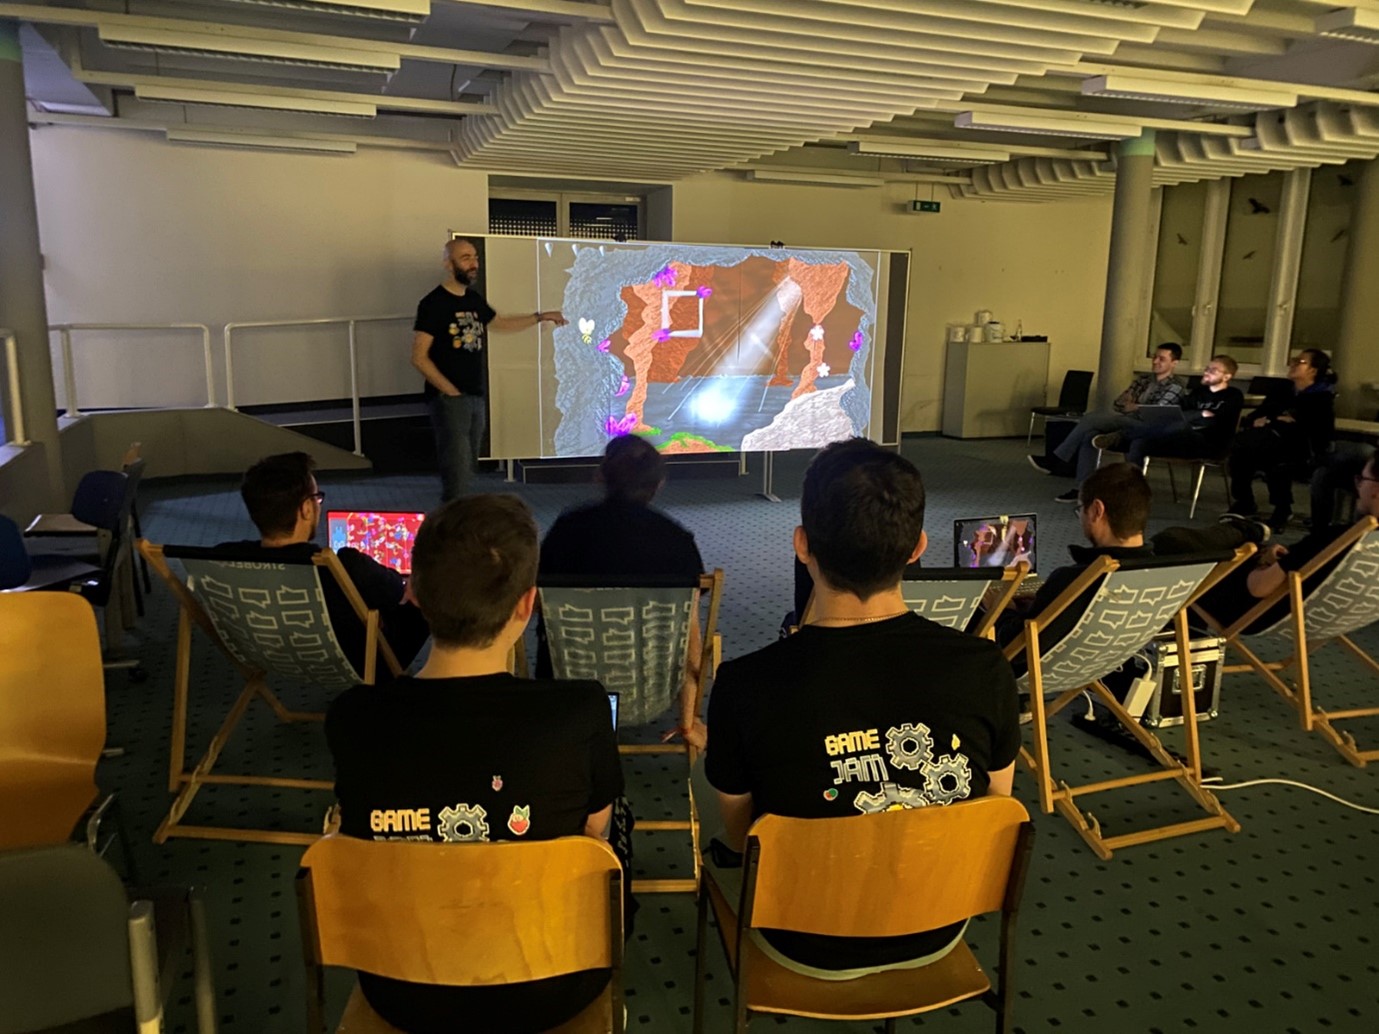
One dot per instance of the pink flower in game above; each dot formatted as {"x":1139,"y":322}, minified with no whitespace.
{"x":664,"y":277}
{"x":615,"y":427}
{"x":604,"y":344}
{"x":857,"y":341}
{"x":662,"y":335}
{"x":622,"y":388}
{"x":704,"y":292}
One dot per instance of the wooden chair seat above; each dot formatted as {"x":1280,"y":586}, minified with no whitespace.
{"x":359,"y":1018}
{"x":42,"y":801}
{"x":904,"y":992}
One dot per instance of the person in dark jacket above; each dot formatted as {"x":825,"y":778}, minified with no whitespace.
{"x":1285,"y":437}
{"x":1211,"y":412}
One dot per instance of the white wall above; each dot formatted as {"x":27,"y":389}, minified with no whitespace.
{"x":135,"y":229}
{"x":1043,"y":265}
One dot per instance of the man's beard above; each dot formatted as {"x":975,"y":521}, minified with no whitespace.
{"x":465,"y":277}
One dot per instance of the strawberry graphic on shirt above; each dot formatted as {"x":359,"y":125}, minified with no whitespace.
{"x":520,"y":819}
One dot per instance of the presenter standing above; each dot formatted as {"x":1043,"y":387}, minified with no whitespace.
{"x":449,"y":348}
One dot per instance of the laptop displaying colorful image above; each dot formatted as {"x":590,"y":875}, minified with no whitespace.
{"x":387,"y":536}
{"x":1000,"y":541}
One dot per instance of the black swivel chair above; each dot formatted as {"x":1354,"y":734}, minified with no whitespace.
{"x":1072,"y":399}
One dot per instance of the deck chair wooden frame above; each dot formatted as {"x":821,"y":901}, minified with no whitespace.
{"x":1058,"y":794}
{"x":710,"y":593}
{"x":185,"y":782}
{"x":461,"y":915}
{"x":962,"y":589}
{"x":1296,"y":626}
{"x":801,"y":875}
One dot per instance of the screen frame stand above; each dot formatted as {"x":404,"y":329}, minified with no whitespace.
{"x":768,"y":470}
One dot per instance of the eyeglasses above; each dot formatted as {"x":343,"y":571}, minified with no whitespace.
{"x":1298,"y":362}
{"x":320,"y":497}
{"x":1365,"y":477}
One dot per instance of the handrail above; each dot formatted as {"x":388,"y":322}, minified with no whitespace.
{"x":350,"y":321}
{"x":14,"y":417}
{"x":69,"y":375}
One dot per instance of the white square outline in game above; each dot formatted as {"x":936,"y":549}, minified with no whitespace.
{"x":666,"y":296}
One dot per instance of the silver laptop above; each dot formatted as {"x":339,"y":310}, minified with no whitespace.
{"x":1171,"y":416}
{"x":1000,"y":541}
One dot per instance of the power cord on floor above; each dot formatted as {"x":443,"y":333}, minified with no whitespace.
{"x":1215,"y":784}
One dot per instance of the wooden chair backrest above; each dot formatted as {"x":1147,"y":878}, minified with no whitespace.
{"x":462,"y":914}
{"x":1130,"y":606}
{"x":632,"y":638}
{"x":52,"y":685}
{"x":1347,"y":599}
{"x":885,"y":875}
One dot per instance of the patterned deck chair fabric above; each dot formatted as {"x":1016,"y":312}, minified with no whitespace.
{"x":635,"y":638}
{"x":951,"y":596}
{"x":267,"y":618}
{"x":1343,"y":602}
{"x":1129,"y":605}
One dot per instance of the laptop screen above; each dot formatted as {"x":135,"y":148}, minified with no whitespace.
{"x":995,"y":541}
{"x":384,"y":535}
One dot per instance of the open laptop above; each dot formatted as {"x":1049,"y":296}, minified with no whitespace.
{"x":385,"y":535}
{"x":1171,"y":416}
{"x":999,"y":541}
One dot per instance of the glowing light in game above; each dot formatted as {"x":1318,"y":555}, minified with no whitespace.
{"x":704,"y":292}
{"x":604,"y":345}
{"x":816,"y":332}
{"x":712,"y":404}
{"x":662,"y":335}
{"x":622,"y":388}
{"x":615,"y":427}
{"x":857,"y":342}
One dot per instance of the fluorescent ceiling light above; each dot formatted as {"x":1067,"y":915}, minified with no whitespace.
{"x":1165,"y":91}
{"x":386,"y":10}
{"x":1353,"y":23}
{"x":932,"y":152}
{"x":1047,"y":125}
{"x":258,"y":141}
{"x":257,"y":101}
{"x":173,"y":41}
{"x":822,"y":179}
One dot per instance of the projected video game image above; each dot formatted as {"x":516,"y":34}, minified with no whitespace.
{"x":994,"y":541}
{"x":387,"y":537}
{"x":703,"y":348}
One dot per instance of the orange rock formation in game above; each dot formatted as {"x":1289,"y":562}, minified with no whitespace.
{"x":819,"y":287}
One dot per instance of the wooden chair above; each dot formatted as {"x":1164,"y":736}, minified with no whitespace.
{"x":952,"y":595}
{"x":635,"y":639}
{"x":1130,"y":603}
{"x":1344,"y":602}
{"x":925,"y":868}
{"x":266,"y":619}
{"x":464,"y":915}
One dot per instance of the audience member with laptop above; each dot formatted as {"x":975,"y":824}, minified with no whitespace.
{"x":867,"y":709}
{"x":466,"y":752}
{"x":284,"y":502}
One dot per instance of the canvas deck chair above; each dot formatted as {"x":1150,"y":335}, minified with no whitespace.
{"x":634,"y":637}
{"x":267,"y":619}
{"x":1345,"y":601}
{"x":952,"y":595}
{"x":1131,"y":603}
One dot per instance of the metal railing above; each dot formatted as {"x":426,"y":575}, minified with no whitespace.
{"x":351,"y":322}
{"x":14,"y":416}
{"x":69,"y":375}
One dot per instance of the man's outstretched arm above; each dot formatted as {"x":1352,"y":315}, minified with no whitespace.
{"x":527,"y":321}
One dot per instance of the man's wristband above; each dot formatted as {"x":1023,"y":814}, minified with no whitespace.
{"x":536,"y":316}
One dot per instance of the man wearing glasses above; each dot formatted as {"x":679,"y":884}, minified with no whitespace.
{"x":284,"y":502}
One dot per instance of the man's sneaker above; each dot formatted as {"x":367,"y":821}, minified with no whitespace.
{"x":1070,"y":496}
{"x":1240,"y":514}
{"x":1040,"y":464}
{"x":1255,"y":531}
{"x":1110,"y":440}
{"x":1278,"y":520}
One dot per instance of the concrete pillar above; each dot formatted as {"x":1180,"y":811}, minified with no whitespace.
{"x":1356,"y":354}
{"x":1122,"y":338}
{"x":22,"y":305}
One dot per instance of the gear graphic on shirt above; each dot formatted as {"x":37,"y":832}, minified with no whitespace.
{"x":892,"y":797}
{"x":463,"y":824}
{"x":948,"y":779}
{"x":909,"y":746}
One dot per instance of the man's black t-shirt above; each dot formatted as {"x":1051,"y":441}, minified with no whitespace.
{"x":831,"y":722}
{"x":458,"y":325}
{"x":1232,"y":600}
{"x":491,"y":757}
{"x":1224,"y":406}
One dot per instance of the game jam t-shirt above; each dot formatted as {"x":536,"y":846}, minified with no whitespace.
{"x":458,"y":325}
{"x":486,"y":758}
{"x":832,"y":722}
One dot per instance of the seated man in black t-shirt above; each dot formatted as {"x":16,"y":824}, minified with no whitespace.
{"x":868,"y":708}
{"x":624,"y":535}
{"x":284,"y":502}
{"x":1211,"y":414}
{"x":465,"y":752}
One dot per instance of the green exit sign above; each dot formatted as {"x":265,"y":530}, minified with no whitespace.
{"x":924,"y":206}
